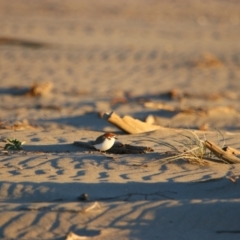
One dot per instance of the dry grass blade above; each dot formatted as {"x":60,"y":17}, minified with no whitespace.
{"x":162,"y":143}
{"x":191,"y":148}
{"x":195,"y":150}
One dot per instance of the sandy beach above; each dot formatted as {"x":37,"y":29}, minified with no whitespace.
{"x":66,"y":63}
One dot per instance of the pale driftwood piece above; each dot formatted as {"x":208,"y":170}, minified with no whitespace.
{"x":95,"y":205}
{"x":129,"y":124}
{"x":73,"y":236}
{"x":220,"y":153}
{"x":231,"y":150}
{"x":118,"y":148}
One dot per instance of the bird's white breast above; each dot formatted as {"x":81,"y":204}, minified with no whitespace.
{"x":107,"y":144}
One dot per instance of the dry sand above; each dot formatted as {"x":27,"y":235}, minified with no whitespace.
{"x":103,"y":56}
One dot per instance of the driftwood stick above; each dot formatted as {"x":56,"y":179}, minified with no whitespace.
{"x":221,"y":154}
{"x":231,"y":150}
{"x":129,"y":124}
{"x":118,"y":148}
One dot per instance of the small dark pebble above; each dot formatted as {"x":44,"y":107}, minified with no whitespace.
{"x":83,"y":197}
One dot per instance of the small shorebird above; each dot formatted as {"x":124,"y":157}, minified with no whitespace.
{"x":105,"y":141}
